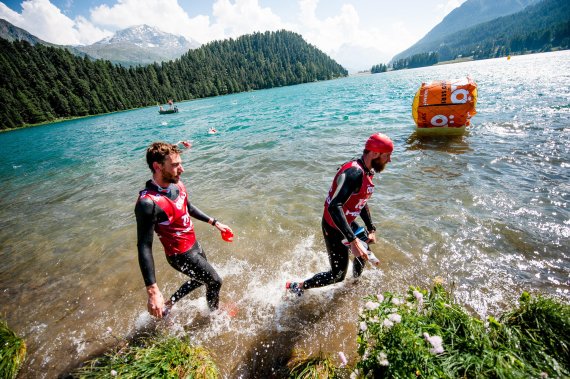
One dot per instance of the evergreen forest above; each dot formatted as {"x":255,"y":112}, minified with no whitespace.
{"x":417,"y":60}
{"x":377,"y":68}
{"x":41,"y":84}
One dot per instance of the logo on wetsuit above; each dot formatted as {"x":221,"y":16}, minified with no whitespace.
{"x":357,"y":201}
{"x":177,"y":233}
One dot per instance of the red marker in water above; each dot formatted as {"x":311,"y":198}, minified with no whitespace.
{"x":227,"y":235}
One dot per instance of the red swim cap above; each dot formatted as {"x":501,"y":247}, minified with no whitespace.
{"x":379,"y":143}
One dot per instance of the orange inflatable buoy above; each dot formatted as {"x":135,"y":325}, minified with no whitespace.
{"x":445,"y":107}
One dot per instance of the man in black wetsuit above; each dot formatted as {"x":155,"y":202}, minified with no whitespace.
{"x":347,"y":199}
{"x":163,"y":206}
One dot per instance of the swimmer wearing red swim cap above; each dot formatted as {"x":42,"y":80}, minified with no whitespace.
{"x":347,"y":199}
{"x":379,"y":143}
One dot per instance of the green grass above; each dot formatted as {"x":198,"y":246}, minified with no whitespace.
{"x":12,"y":352}
{"x":158,"y":357}
{"x":531,"y":341}
{"x":303,"y":366}
{"x":422,"y":334}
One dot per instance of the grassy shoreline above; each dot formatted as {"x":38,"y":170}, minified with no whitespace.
{"x":12,"y":352}
{"x":420,"y":334}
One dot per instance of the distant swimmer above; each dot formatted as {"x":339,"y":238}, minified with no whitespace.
{"x":164,"y":207}
{"x":347,"y":198}
{"x":186,"y":144}
{"x":212,"y":131}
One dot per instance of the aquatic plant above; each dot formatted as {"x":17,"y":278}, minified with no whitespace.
{"x":12,"y":351}
{"x":157,"y":357}
{"x":426,"y":334}
{"x":303,"y":366}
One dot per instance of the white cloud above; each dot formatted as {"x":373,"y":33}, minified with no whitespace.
{"x":229,"y":18}
{"x":166,"y":15}
{"x":344,"y":38}
{"x":44,"y":20}
{"x":89,"y":33}
{"x":244,"y":17}
{"x":9,"y":15}
{"x":331,"y":33}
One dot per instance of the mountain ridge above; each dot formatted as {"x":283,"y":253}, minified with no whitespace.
{"x":140,"y":44}
{"x":540,"y":27}
{"x":136,"y":45}
{"x":11,"y":32}
{"x":468,"y":14}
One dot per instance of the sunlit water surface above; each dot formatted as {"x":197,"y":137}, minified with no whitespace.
{"x":487,"y":211}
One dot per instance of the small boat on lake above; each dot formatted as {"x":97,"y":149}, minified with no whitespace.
{"x":171,"y":108}
{"x":168,"y":111}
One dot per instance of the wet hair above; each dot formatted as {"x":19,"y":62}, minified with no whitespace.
{"x":158,"y":151}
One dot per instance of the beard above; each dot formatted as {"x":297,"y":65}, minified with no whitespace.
{"x":377,"y":165}
{"x":169,"y":178}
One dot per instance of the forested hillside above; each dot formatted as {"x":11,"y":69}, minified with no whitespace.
{"x":39,"y":83}
{"x":13,"y":33}
{"x":544,"y":26}
{"x":541,"y":27}
{"x":470,"y":13}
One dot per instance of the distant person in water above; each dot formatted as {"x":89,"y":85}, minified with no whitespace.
{"x":186,"y":144}
{"x":347,"y":198}
{"x":164,"y":207}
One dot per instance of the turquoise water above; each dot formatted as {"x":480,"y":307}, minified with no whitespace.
{"x":487,"y":211}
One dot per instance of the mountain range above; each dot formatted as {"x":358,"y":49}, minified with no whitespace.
{"x":463,"y":31}
{"x":13,"y":33}
{"x":141,"y":44}
{"x":136,"y":45}
{"x":470,"y":13}
{"x":541,"y":25}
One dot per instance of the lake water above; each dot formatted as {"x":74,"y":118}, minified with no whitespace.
{"x":487,"y":211}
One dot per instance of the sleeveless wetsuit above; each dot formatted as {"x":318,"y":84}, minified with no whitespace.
{"x":351,"y":188}
{"x":168,"y":211}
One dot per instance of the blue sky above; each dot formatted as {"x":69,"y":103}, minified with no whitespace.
{"x":357,"y":33}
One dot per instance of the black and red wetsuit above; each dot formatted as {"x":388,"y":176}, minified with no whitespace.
{"x":167,"y":212}
{"x":347,"y":198}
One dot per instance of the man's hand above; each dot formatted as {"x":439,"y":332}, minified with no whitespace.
{"x":222,"y":227}
{"x":227,"y":234}
{"x":358,"y":249}
{"x":371,"y":237}
{"x":155,"y":303}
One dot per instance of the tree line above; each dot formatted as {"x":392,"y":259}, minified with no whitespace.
{"x":416,"y":60}
{"x":41,"y":84}
{"x":379,"y":68}
{"x":542,"y":27}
